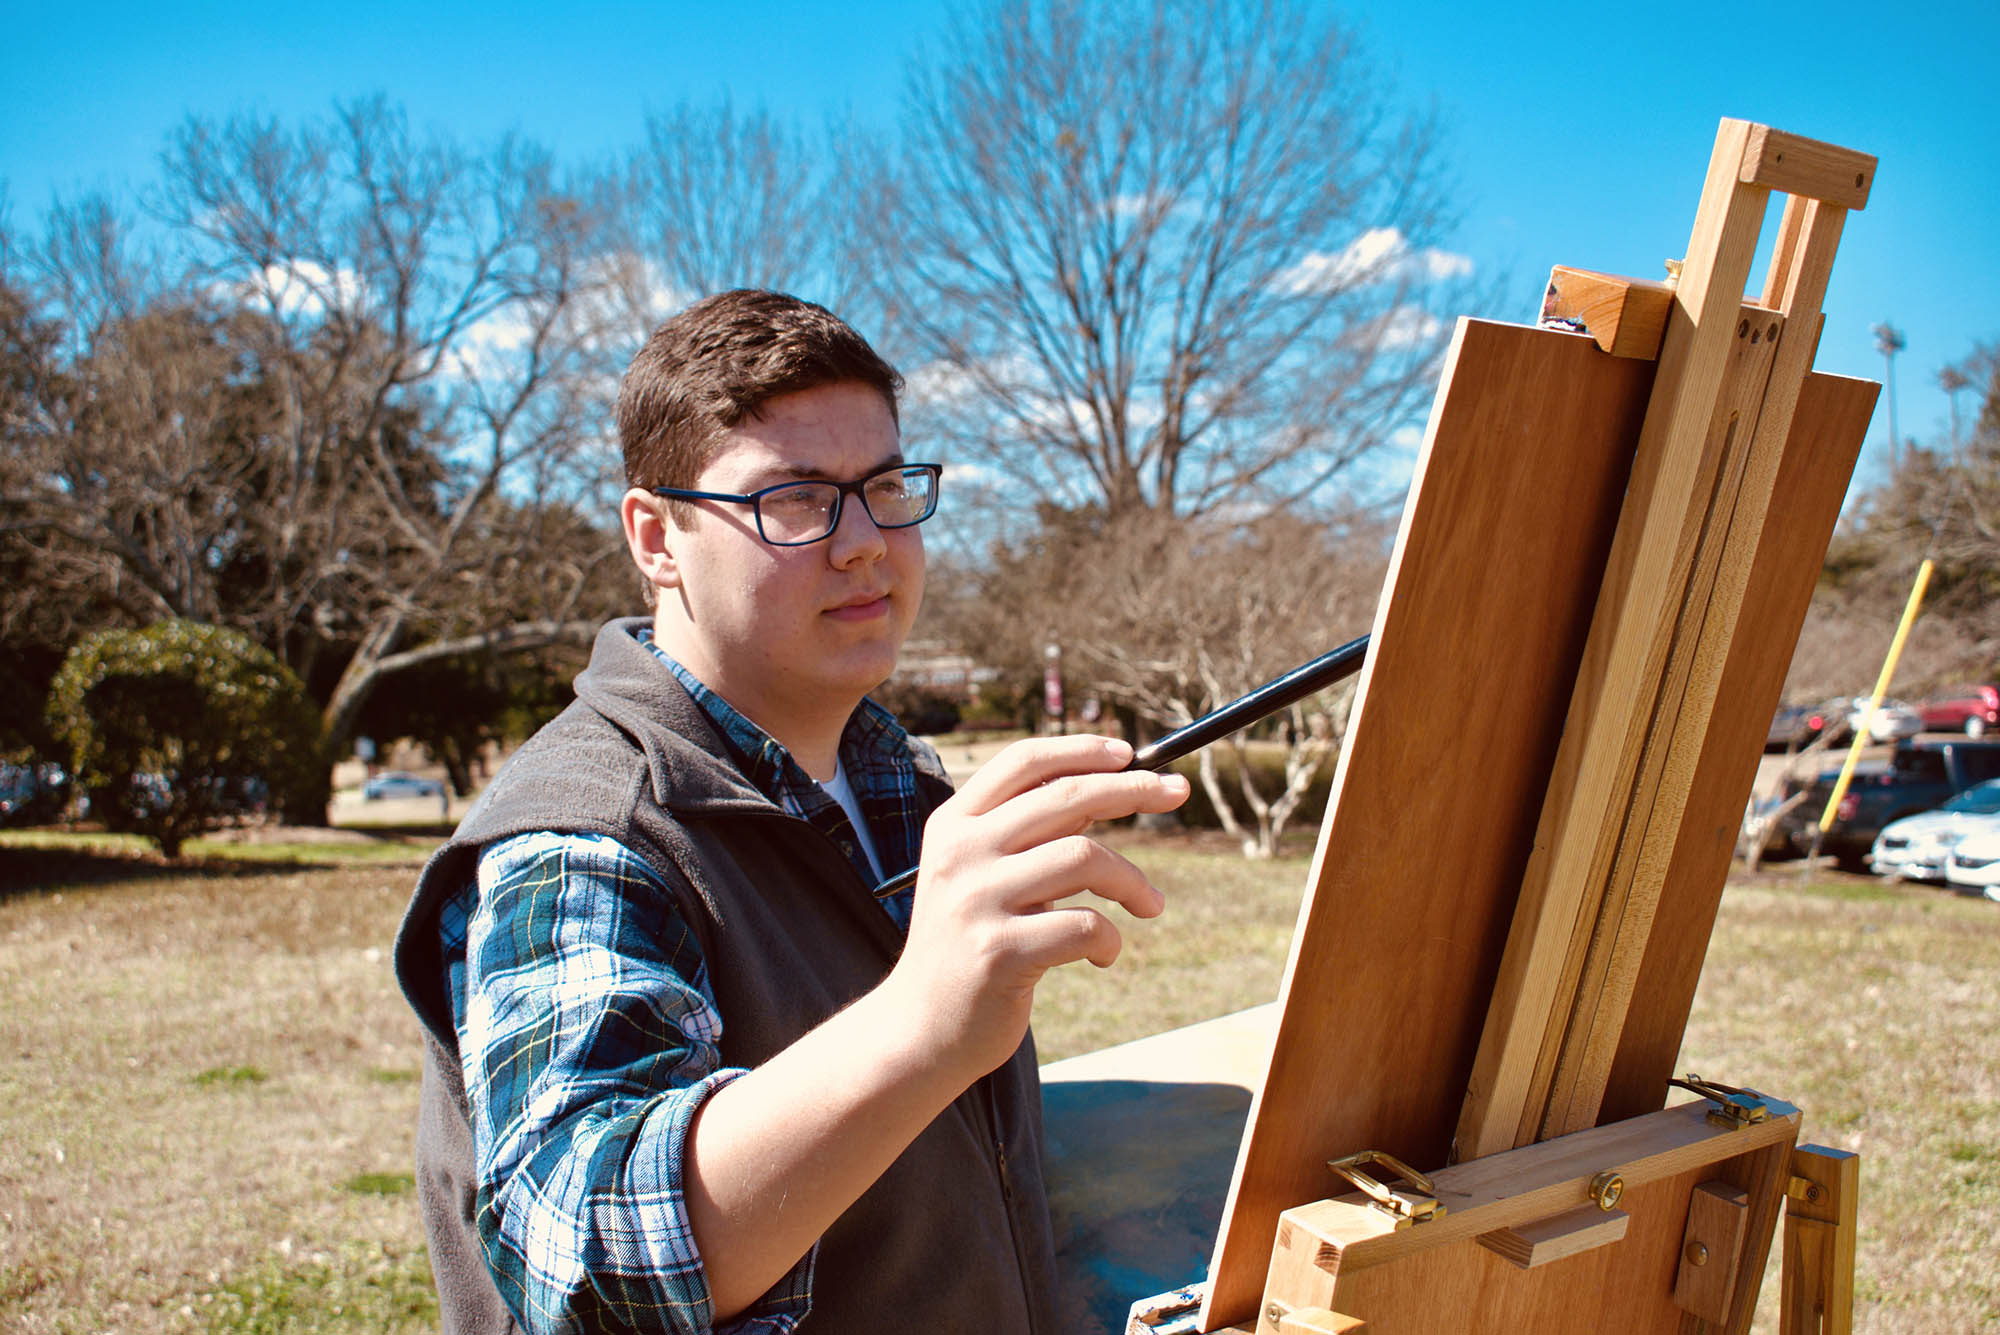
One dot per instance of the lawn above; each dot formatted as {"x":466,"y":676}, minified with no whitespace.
{"x":207,"y":1079}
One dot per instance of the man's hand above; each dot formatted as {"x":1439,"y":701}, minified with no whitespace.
{"x":998,"y":860}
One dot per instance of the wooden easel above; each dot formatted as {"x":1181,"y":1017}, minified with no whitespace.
{"x":1611,"y":541}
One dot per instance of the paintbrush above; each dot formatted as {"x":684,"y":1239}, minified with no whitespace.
{"x":1261,"y":703}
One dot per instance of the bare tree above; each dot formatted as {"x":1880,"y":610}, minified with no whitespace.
{"x":421,"y":310}
{"x":716,"y":198}
{"x":1175,"y":255}
{"x":1175,"y":617}
{"x":1942,"y":503}
{"x":354,"y":403}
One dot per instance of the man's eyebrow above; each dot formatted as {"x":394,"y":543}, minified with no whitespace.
{"x":804,"y":472}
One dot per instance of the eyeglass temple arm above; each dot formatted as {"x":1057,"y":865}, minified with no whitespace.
{"x":1266,"y":700}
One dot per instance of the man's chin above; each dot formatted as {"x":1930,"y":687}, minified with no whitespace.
{"x":861,"y":669}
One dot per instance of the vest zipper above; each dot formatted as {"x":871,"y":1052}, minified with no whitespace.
{"x":991,"y":1082}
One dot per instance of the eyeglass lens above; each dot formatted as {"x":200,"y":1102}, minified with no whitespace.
{"x":807,"y":511}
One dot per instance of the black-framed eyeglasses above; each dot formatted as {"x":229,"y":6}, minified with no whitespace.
{"x":793,"y":514}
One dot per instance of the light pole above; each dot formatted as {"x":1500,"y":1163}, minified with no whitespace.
{"x":1951,"y":380}
{"x":1053,"y":704}
{"x":1889,"y":342}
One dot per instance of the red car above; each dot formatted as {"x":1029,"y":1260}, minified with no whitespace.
{"x":1973,"y":710}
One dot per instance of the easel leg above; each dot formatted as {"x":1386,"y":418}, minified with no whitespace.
{"x":1817,"y":1293}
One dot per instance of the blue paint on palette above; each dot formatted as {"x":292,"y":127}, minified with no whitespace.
{"x":1137,"y":1171}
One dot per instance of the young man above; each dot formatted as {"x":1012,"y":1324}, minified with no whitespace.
{"x":684,"y":1071}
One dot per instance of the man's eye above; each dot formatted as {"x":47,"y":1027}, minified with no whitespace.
{"x":803,"y":499}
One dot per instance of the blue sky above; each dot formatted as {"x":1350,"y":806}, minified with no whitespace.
{"x":1578,"y":133}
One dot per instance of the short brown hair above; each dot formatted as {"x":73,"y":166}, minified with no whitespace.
{"x":719,"y":361}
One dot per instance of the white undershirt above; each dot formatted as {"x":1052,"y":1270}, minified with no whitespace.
{"x":841,"y":791}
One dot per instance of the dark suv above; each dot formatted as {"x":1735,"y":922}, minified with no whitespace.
{"x":1918,"y":775}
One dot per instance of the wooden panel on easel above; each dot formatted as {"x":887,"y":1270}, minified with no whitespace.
{"x":1440,"y":781}
{"x":1826,"y":437}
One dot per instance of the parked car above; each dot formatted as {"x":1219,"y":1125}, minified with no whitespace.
{"x":398,"y":784}
{"x":1974,"y":865}
{"x":1918,"y":776}
{"x":1893,"y":720}
{"x":1794,"y":726}
{"x":29,"y":792}
{"x":1972,"y":710}
{"x":1915,"y":847}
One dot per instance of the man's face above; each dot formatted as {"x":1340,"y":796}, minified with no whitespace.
{"x":792,"y":633}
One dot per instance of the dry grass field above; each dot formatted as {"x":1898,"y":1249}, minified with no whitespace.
{"x":207,"y":1076}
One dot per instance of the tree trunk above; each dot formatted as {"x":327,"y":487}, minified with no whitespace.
{"x":1211,"y":783}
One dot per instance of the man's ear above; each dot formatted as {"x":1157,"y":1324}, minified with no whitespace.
{"x":651,"y":538}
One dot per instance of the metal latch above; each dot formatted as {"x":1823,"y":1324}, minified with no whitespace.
{"x":1412,"y":1202}
{"x":1735,"y":1107}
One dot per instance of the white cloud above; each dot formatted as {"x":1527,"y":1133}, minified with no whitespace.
{"x":1377,"y":255}
{"x":488,"y":348}
{"x":302,"y":287}
{"x":1442,"y":264}
{"x":1127,"y":207}
{"x":638,"y":288}
{"x":940,"y":384}
{"x":1409,"y":326}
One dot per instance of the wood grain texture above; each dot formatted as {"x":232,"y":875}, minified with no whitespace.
{"x":1797,"y":165}
{"x":1566,"y":1234}
{"x":1711,"y":1250}
{"x":1345,"y":1234}
{"x":1826,"y":436}
{"x":1752,"y":539}
{"x":1659,"y":532}
{"x":1464,"y":1287}
{"x":1771,"y":559}
{"x":1319,"y":1321}
{"x":1818,"y":1297}
{"x":1413,"y":883}
{"x":1762,"y":1176}
{"x":1611,"y":946}
{"x":1437,"y":1277}
{"x":1626,"y":316}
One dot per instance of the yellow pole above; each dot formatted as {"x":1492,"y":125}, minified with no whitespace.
{"x":1875,"y":701}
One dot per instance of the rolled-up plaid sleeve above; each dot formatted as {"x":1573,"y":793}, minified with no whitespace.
{"x":589,"y":1039}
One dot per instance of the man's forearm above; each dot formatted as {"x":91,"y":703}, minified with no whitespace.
{"x":778,"y":1154}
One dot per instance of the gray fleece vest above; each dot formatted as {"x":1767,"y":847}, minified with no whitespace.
{"x":955,"y":1236}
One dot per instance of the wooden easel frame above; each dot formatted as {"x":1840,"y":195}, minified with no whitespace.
{"x":1460,"y":1027}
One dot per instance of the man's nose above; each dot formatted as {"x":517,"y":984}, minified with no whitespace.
{"x":855,"y":534}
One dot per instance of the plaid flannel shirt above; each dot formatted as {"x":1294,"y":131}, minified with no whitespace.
{"x":589,"y":1039}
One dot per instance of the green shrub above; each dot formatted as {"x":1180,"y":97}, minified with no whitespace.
{"x":176,"y":727}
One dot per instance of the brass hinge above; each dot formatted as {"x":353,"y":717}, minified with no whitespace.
{"x":1734,"y":1107}
{"x":1414,"y":1201}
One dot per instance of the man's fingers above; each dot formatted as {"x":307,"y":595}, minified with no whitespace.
{"x":1071,"y":803}
{"x":1040,"y":876}
{"x":1065,"y":935}
{"x":1028,"y":764}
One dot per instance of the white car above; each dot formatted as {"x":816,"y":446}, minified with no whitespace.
{"x":1893,"y":721}
{"x":1974,"y":865}
{"x":399,"y":784}
{"x":1915,"y":847}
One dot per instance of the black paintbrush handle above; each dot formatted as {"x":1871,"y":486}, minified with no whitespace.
{"x":1261,"y":703}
